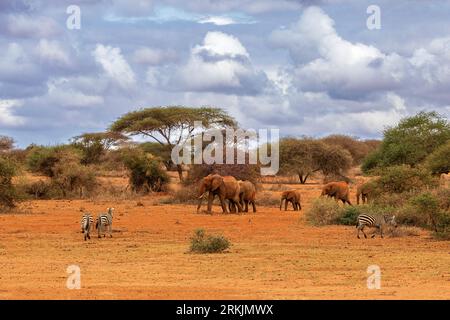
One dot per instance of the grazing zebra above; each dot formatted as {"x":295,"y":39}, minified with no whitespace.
{"x":104,"y":222}
{"x":365,"y":220}
{"x":87,"y":222}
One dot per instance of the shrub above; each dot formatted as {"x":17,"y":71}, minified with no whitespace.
{"x":403,"y":178}
{"x":146,"y":173}
{"x":439,"y":161}
{"x":428,"y":211}
{"x":74,"y":179}
{"x":323,"y":211}
{"x":202,"y":243}
{"x":38,"y":189}
{"x":348,"y":216}
{"x":8,"y":194}
{"x":42,"y":159}
{"x":371,"y":161}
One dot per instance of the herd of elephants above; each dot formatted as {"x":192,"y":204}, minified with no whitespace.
{"x":240,"y":194}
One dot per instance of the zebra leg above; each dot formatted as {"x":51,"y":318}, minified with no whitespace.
{"x":373,"y":236}
{"x":381,"y":232}
{"x":362,"y":229}
{"x":110,"y":230}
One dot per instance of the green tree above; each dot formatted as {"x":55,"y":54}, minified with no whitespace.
{"x":171,"y":125}
{"x":439,"y":161}
{"x":306,"y":156}
{"x":411,"y":141}
{"x":94,"y":145}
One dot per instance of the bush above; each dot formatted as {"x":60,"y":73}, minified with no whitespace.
{"x":348,"y":216}
{"x":371,"y":162}
{"x":38,"y":190}
{"x":8,"y":194}
{"x":403,"y":178}
{"x":42,"y":159}
{"x":323,"y":211}
{"x":146,"y":172}
{"x":439,"y":161}
{"x":74,"y":179}
{"x":202,"y":243}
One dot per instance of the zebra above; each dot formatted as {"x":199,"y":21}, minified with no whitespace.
{"x":87,"y":222}
{"x":366,"y":220}
{"x":105,"y":220}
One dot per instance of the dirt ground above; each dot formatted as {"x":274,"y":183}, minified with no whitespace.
{"x":274,"y":255}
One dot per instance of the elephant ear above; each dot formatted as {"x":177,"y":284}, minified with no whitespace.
{"x":216,"y":182}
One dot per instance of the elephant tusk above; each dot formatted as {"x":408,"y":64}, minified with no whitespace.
{"x":203,"y":194}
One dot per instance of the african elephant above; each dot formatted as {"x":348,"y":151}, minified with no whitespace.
{"x":338,"y":191}
{"x":247,"y":195}
{"x":226,"y":187}
{"x":363,"y":191}
{"x":292,"y":196}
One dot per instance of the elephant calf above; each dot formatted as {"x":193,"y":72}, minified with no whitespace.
{"x":292,"y":196}
{"x":363,"y":191}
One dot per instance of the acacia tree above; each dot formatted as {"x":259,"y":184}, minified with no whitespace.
{"x":306,"y":156}
{"x":95,"y":144}
{"x":171,"y":125}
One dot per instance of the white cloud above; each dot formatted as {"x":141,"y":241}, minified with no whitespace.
{"x":327,"y":62}
{"x":60,"y":95}
{"x":221,"y":44}
{"x":115,"y":65}
{"x":153,"y":56}
{"x":53,"y":53}
{"x":7,"y":117}
{"x":220,"y":64}
{"x":31,"y":26}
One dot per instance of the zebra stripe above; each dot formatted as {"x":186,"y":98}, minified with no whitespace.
{"x":87,"y":222}
{"x":366,"y":220}
{"x":104,"y":222}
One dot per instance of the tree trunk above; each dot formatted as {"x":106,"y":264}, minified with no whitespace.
{"x":180,"y":172}
{"x":303,"y":178}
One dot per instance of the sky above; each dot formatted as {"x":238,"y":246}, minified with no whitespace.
{"x":306,"y":67}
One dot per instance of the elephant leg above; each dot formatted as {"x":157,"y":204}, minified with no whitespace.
{"x":210,"y":201}
{"x":286,"y":204}
{"x":254,"y":206}
{"x":222,"y":203}
{"x":238,"y":205}
{"x":246,"y":205}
